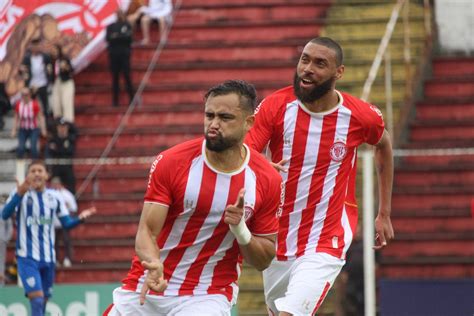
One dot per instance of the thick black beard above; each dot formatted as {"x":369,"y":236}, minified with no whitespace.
{"x":220,"y":144}
{"x":315,"y":94}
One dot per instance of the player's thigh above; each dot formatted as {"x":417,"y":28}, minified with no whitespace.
{"x":127,"y":303}
{"x":28,"y":270}
{"x":275,"y":282}
{"x":202,"y":305}
{"x":47,"y":273}
{"x":311,"y":278}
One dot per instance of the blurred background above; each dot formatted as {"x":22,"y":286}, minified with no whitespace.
{"x":412,"y":58}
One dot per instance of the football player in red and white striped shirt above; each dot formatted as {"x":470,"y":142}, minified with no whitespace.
{"x":312,"y":132}
{"x":209,"y":202}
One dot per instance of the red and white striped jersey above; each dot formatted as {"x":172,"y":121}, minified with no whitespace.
{"x":27,"y":114}
{"x":199,"y":252}
{"x":320,"y":208}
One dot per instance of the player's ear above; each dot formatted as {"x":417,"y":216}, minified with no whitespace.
{"x":339,"y":72}
{"x":249,"y":121}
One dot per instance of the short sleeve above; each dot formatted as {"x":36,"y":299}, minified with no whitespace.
{"x":159,"y":181}
{"x":262,"y":130}
{"x":265,"y":221}
{"x":373,"y":125}
{"x":61,"y":209}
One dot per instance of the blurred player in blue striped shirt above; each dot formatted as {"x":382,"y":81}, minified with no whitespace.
{"x":36,"y":207}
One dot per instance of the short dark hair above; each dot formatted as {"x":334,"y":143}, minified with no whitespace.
{"x":246,"y":92}
{"x":332,"y":44}
{"x":37,"y":162}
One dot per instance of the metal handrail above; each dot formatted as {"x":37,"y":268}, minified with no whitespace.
{"x":133,"y":103}
{"x":381,"y":50}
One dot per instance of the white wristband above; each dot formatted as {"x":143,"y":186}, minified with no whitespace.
{"x":241,"y":232}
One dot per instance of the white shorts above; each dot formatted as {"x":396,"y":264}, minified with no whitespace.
{"x":300,"y":286}
{"x":127,"y":303}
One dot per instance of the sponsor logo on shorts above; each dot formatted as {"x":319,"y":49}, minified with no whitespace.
{"x":338,"y":151}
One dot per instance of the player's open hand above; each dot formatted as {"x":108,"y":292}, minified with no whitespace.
{"x":25,"y":186}
{"x":87,"y":213}
{"x":280,"y":166}
{"x":234,"y":212}
{"x":384,"y":231}
{"x":154,"y":279}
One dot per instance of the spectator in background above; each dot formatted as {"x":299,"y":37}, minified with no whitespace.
{"x":29,"y":121}
{"x":62,"y":145}
{"x":35,"y":247}
{"x":5,"y":105}
{"x":38,"y":71}
{"x":63,"y":88}
{"x":119,"y":39}
{"x":159,"y":10}
{"x":6,"y":230}
{"x":71,"y":206}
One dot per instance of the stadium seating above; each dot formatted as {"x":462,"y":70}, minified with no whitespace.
{"x":260,"y":41}
{"x":432,"y":197}
{"x":211,"y":41}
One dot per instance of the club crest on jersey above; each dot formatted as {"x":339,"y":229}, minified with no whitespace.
{"x":338,"y":151}
{"x":248,"y":212}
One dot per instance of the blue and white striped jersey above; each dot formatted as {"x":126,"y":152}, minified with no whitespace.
{"x":34,"y":219}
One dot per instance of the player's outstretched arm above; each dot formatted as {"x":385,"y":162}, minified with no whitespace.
{"x":384,"y":167}
{"x":256,"y":250}
{"x":151,"y":222}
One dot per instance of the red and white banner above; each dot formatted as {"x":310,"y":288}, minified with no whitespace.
{"x":77,"y":25}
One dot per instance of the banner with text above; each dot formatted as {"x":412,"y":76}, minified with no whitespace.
{"x":76,"y":25}
{"x":71,"y":300}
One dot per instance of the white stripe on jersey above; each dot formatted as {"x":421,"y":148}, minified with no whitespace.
{"x":289,"y":133}
{"x":250,"y":188}
{"x":304,"y":181}
{"x":207,"y":273}
{"x":22,"y":250}
{"x":35,"y":228}
{"x":342,"y":129}
{"x":345,"y":220}
{"x":191,"y":194}
{"x":190,"y":255}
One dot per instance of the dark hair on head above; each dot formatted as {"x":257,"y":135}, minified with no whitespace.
{"x":35,"y":41}
{"x":332,"y":44}
{"x":37,"y":162}
{"x":246,"y":92}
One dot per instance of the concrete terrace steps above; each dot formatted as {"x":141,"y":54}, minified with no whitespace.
{"x":432,"y":132}
{"x":427,"y":267}
{"x":453,"y":66}
{"x":149,"y":126}
{"x":421,"y":212}
{"x":108,"y":117}
{"x":455,"y":86}
{"x":405,"y":201}
{"x":429,"y":248}
{"x":133,"y":141}
{"x":439,"y":226}
{"x":434,"y":177}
